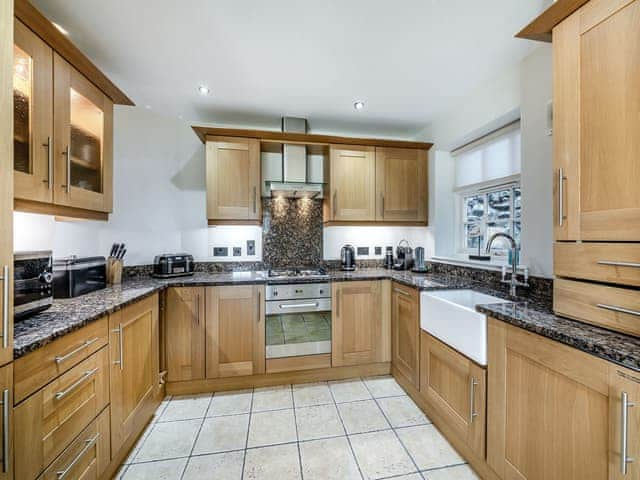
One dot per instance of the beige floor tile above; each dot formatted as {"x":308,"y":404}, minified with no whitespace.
{"x":280,"y":462}
{"x":221,"y":434}
{"x":272,"y":398}
{"x":318,"y":421}
{"x":186,"y":408}
{"x":402,"y":412}
{"x":169,"y":440}
{"x":163,"y":470}
{"x":428,"y":447}
{"x":307,"y":394}
{"x":411,"y":476}
{"x":230,"y":403}
{"x":383,"y":386}
{"x":380,"y":455}
{"x":273,"y":427}
{"x":461,"y":472}
{"x":223,"y":466}
{"x":349,"y":390}
{"x":329,"y":459}
{"x":361,"y":417}
{"x":136,"y":448}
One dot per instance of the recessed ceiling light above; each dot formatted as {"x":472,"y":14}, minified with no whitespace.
{"x":358,"y":105}
{"x":148,"y":107}
{"x":60,"y":29}
{"x":203,"y":90}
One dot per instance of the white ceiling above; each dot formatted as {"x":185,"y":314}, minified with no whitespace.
{"x":406,"y":59}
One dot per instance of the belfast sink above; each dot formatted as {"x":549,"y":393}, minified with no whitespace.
{"x":451,"y":316}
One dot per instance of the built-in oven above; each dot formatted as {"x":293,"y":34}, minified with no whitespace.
{"x":298,"y":319}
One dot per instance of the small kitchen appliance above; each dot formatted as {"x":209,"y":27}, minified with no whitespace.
{"x":404,"y":256}
{"x":32,"y":283}
{"x":348,"y":258}
{"x":74,"y":276}
{"x":388,"y":258}
{"x":418,"y":264}
{"x":169,"y":265}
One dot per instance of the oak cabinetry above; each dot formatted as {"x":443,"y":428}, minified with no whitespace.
{"x":235,"y":331}
{"x":624,"y":412}
{"x":455,"y":387}
{"x":7,"y":428}
{"x":185,"y":333}
{"x":133,"y":355}
{"x":405,"y":332}
{"x":233,"y":174}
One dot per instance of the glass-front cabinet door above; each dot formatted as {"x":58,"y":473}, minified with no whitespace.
{"x":83,"y":141}
{"x":32,"y":116}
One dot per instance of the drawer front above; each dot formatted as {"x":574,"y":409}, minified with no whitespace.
{"x":602,"y":262}
{"x":87,"y":457}
{"x":610,"y":307}
{"x":40,"y":367}
{"x":50,"y":419}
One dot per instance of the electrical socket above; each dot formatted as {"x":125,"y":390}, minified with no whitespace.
{"x":378,"y":250}
{"x":220,"y":251}
{"x":237,"y":251}
{"x":363,"y":251}
{"x":251,"y":247}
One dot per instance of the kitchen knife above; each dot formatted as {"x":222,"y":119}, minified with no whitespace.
{"x":114,"y":249}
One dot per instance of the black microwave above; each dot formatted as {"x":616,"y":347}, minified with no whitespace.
{"x":32,"y":283}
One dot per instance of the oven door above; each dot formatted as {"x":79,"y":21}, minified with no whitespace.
{"x":298,"y":327}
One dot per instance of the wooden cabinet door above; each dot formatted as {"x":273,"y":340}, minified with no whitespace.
{"x":6,"y":417}
{"x":233,"y":179}
{"x":357,"y":331}
{"x":32,"y":116}
{"x":185,"y":335}
{"x":353,"y":183}
{"x":401,"y":185}
{"x":624,"y":403}
{"x":83,"y":146}
{"x":455,"y":387}
{"x":235,"y":331}
{"x":6,"y":183}
{"x":405,"y":332}
{"x":133,"y":354}
{"x":548,"y":408}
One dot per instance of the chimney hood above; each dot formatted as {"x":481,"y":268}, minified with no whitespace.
{"x":297,"y":182}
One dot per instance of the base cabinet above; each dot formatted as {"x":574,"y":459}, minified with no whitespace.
{"x":455,"y":387}
{"x":624,"y":411}
{"x":405,"y":331}
{"x":6,"y":423}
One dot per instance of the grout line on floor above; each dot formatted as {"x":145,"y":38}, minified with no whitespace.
{"x":246,"y":442}
{"x":295,"y":421}
{"x":186,"y":464}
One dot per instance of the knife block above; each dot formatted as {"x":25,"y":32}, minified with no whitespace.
{"x":114,"y":271}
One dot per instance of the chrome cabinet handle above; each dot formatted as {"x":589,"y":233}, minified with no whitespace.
{"x":5,"y":306}
{"x":49,"y":179}
{"x":6,"y":437}
{"x":259,"y":303}
{"x":255,"y":201}
{"x":472,"y":402}
{"x":335,"y":203}
{"x":401,"y":292}
{"x":338,"y":295}
{"x":613,"y":308}
{"x":61,"y":358}
{"x":198,"y":309}
{"x":88,"y":374}
{"x":121,"y":343}
{"x":90,"y":442}
{"x":619,"y":264}
{"x":624,"y":432}
{"x":300,"y":305}
{"x":561,"y":179}
{"x":382,"y":197}
{"x":66,"y":152}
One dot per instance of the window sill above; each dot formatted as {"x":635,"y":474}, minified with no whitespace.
{"x":463,"y":260}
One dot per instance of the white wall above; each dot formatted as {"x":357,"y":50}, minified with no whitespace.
{"x":335,"y":237}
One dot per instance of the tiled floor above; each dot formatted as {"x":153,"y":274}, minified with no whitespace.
{"x":351,"y":429}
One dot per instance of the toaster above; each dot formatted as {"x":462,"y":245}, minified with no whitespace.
{"x":168,"y":265}
{"x":74,"y":276}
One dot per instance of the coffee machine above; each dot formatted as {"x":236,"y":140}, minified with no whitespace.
{"x":404,"y":256}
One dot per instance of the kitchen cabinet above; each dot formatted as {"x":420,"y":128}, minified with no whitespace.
{"x":235,"y":331}
{"x":405,"y":332}
{"x":401,"y":185}
{"x":596,"y":146}
{"x":352,"y":174}
{"x":6,"y":419}
{"x":624,"y":393}
{"x":360,"y":323}
{"x":133,"y":355}
{"x":185,"y":333}
{"x":455,"y":387}
{"x":233,"y":175}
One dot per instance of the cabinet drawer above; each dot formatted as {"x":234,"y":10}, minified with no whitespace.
{"x":87,"y":456}
{"x":609,"y":307}
{"x":38,"y":368}
{"x":603,"y":262}
{"x":47,"y":421}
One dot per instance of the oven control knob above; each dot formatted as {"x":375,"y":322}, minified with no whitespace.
{"x":46,"y":277}
{"x":299,"y":291}
{"x":321,"y":292}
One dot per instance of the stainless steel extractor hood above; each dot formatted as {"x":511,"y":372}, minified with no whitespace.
{"x":296,"y":179}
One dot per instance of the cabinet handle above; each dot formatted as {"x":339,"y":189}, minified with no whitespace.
{"x":259,"y":304}
{"x":90,"y":442}
{"x":66,"y":153}
{"x":335,"y":203}
{"x":88,"y":374}
{"x":5,"y":306}
{"x":299,"y":305}
{"x":255,"y":200}
{"x":472,"y":402}
{"x":561,"y":179}
{"x":382,"y":198}
{"x":401,"y":292}
{"x":120,"y":345}
{"x":62,"y":358}
{"x":619,"y":264}
{"x":613,"y":308}
{"x":198,"y":308}
{"x":6,"y":437}
{"x":624,"y":432}
{"x":49,"y":179}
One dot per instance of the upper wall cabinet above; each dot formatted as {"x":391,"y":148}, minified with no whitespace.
{"x":596,"y":121}
{"x":233,"y":181}
{"x":352,"y":183}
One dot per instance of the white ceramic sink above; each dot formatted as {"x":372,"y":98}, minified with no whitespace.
{"x":451,"y":316}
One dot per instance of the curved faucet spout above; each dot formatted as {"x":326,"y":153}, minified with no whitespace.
{"x":514,"y":245}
